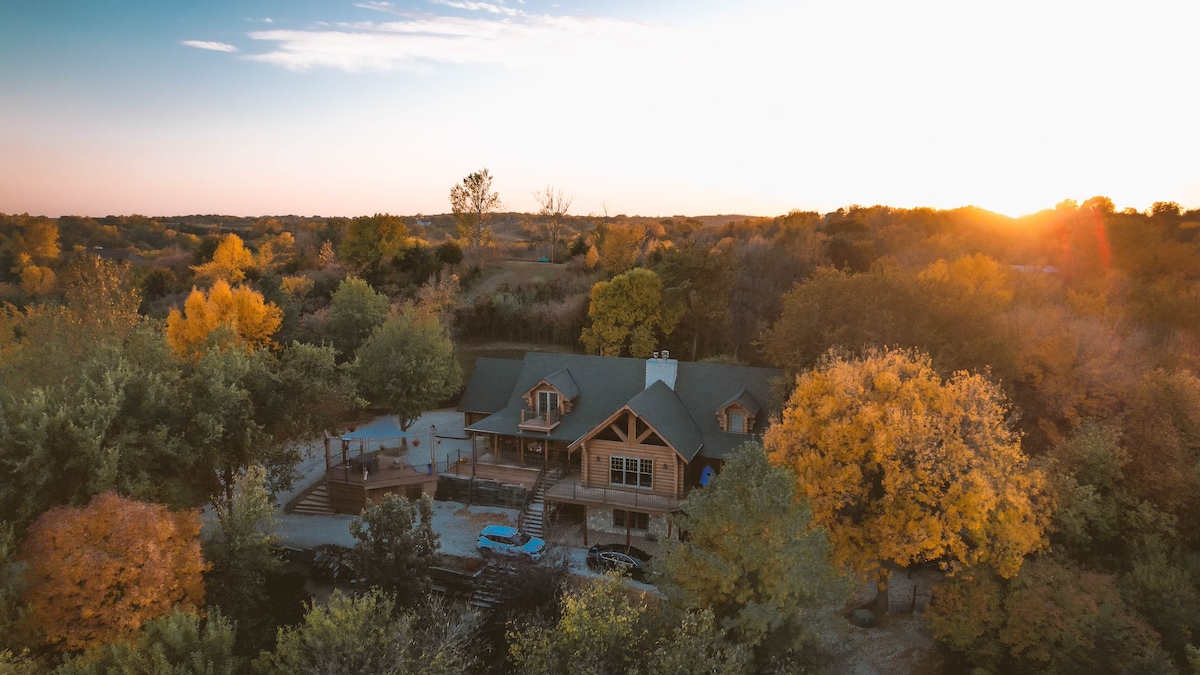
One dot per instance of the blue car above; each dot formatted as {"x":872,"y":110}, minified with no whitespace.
{"x":510,"y":540}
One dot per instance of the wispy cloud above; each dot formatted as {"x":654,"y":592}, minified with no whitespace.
{"x":211,"y":46}
{"x":488,"y":7}
{"x":378,"y":6}
{"x":414,"y":43}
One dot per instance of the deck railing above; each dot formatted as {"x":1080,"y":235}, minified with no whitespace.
{"x":529,"y":497}
{"x":385,"y":468}
{"x":570,"y":489}
{"x":543,"y":419}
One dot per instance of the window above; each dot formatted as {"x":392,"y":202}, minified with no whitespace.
{"x":637,"y":521}
{"x":547,"y":401}
{"x":631,"y":471}
{"x":737,"y":422}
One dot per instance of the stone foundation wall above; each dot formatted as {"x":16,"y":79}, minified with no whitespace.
{"x":601,"y":520}
{"x":482,"y":492}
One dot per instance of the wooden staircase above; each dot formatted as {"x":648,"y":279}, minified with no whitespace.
{"x":490,"y":583}
{"x":533,"y":516}
{"x":315,"y":503}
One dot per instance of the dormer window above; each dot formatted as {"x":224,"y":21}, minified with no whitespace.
{"x":737,"y":414}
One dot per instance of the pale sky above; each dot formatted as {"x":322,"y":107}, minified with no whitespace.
{"x":272,"y":107}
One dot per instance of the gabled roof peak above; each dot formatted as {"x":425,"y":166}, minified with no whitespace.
{"x":744,"y":399}
{"x":562,"y":381}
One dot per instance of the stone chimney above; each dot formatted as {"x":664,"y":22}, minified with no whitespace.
{"x":661,"y":367}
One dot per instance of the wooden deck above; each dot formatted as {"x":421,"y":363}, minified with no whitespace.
{"x":353,"y":483}
{"x":513,"y":475}
{"x":570,"y":490}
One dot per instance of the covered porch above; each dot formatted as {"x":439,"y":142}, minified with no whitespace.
{"x":535,"y":451}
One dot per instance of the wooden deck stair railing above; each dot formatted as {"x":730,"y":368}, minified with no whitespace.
{"x":533,"y":515}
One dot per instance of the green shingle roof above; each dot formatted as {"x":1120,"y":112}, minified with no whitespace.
{"x":490,"y":385}
{"x":744,"y":399}
{"x":664,"y":412}
{"x":606,"y":384}
{"x":564,"y":383}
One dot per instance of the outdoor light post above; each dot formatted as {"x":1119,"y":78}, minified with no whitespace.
{"x":432,"y":448}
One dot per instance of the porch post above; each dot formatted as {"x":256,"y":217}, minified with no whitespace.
{"x":628,"y":524}
{"x":327,"y":458}
{"x":585,"y":526}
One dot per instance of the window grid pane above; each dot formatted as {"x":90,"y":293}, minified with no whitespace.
{"x":631,"y":471}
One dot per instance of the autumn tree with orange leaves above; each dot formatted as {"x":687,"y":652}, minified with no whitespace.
{"x":903,"y":467}
{"x":97,"y":573}
{"x":249,"y":320}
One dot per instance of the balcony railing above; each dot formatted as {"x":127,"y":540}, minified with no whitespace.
{"x":540,"y":420}
{"x":388,"y":469}
{"x":570,"y":489}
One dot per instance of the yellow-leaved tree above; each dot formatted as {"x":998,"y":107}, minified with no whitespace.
{"x":229,"y":261}
{"x":904,"y":467}
{"x":250,"y":321}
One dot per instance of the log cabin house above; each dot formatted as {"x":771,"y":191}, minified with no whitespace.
{"x":625,"y":439}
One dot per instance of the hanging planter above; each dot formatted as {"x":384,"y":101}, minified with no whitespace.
{"x":416,"y":442}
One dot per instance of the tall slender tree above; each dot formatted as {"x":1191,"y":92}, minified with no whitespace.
{"x":553,"y":205}
{"x":473,"y":202}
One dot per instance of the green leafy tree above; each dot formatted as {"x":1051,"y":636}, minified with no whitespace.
{"x":1052,"y":618}
{"x":373,"y":242}
{"x":902,"y":466}
{"x":696,"y":645}
{"x":355,"y":311}
{"x":395,"y":546}
{"x":242,"y":551}
{"x":180,"y":643}
{"x":19,"y":664}
{"x":113,"y":422}
{"x":408,"y":366}
{"x":698,"y":279}
{"x":602,"y":630}
{"x":1163,"y":585}
{"x":955,"y":323}
{"x":1162,"y":441}
{"x":12,"y":612}
{"x":1098,"y":521}
{"x":366,"y":635}
{"x":627,"y":315}
{"x":752,"y":559}
{"x":255,"y":409}
{"x":473,"y":202}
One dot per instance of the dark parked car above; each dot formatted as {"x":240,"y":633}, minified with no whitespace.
{"x":632,"y":561}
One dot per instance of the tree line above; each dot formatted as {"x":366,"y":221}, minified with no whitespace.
{"x":1012,"y":401}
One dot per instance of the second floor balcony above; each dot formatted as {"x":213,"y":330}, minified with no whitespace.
{"x":540,"y":420}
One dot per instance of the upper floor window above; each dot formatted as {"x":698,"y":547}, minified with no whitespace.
{"x":737,"y":422}
{"x":631,"y":471}
{"x":547,"y":401}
